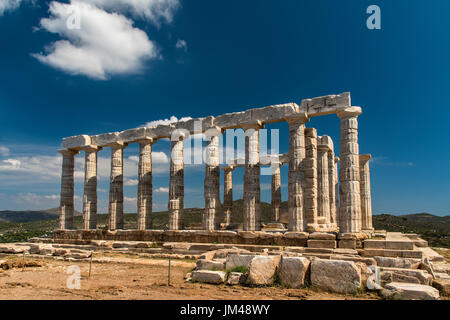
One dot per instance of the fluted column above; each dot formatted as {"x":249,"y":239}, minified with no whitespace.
{"x":227,"y":194}
{"x":366,"y":199}
{"x":90,"y":188}
{"x":67,"y":190}
{"x":116,"y":187}
{"x":349,"y":188}
{"x":323,"y":199}
{"x":296,"y":176}
{"x":336,"y":189}
{"x":211,"y":215}
{"x":332,"y":187}
{"x":311,"y":186}
{"x":276,"y":192}
{"x":144,"y":198}
{"x":252,"y":188}
{"x":176,"y":187}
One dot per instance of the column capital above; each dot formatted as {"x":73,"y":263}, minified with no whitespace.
{"x":311,"y":132}
{"x":117,"y":145}
{"x":299,"y":117}
{"x":90,"y":148}
{"x":257,"y":125}
{"x":146,"y":141}
{"x":349,"y":112}
{"x":365,"y":157}
{"x":68,"y":152}
{"x":336,"y":159}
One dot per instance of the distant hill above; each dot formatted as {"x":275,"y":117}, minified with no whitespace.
{"x":30,"y":216}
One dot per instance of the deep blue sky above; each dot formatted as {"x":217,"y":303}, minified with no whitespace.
{"x":241,"y":54}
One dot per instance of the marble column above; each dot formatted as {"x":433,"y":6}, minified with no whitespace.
{"x":323,"y":198}
{"x":116,"y":187}
{"x":366,"y":199}
{"x":144,"y":197}
{"x":334,"y":186}
{"x":296,"y":176}
{"x":349,"y":188}
{"x":176,"y":187}
{"x":276,"y":192}
{"x":252,"y":188}
{"x":211,"y":215}
{"x":67,"y":190}
{"x":90,"y":188}
{"x":227,"y":194}
{"x":311,"y":184}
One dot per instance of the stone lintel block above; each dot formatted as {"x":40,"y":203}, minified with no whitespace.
{"x":364,"y":157}
{"x":232,"y":120}
{"x":196,"y":126}
{"x":322,"y":244}
{"x":76,"y":142}
{"x":106,"y":139}
{"x":349,"y":112}
{"x":296,"y":235}
{"x":322,"y":236}
{"x":326,"y":104}
{"x":276,"y":113}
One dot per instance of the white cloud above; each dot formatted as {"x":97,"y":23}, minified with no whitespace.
{"x":4,"y":151}
{"x":181,"y":44}
{"x":161,"y":190}
{"x":150,"y":10}
{"x":130,"y":182}
{"x":172,"y":119}
{"x":9,"y":5}
{"x":105,"y":44}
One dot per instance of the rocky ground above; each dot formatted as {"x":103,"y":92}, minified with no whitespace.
{"x":122,"y":276}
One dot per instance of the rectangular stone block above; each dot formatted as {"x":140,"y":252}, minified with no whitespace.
{"x":400,"y":244}
{"x":103,"y":140}
{"x":76,"y":142}
{"x":133,"y":135}
{"x":326,"y":104}
{"x":347,"y":244}
{"x":322,"y":244}
{"x":274,"y":113}
{"x":374,"y":244}
{"x":198,"y":125}
{"x":232,"y":120}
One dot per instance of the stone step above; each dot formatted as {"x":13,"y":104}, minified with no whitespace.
{"x":417,"y":254}
{"x":389,"y":244}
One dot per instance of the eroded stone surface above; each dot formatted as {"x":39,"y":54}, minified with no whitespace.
{"x":409,"y":291}
{"x":262,"y":270}
{"x":293,"y":271}
{"x":207,"y":276}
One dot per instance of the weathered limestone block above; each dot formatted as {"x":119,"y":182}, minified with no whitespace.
{"x":398,"y":262}
{"x":293,"y":271}
{"x":238,"y":260}
{"x":274,"y":113}
{"x":349,"y":193}
{"x":335,"y":275}
{"x":196,"y":126}
{"x":76,"y":142}
{"x":322,"y":236}
{"x":207,"y":276}
{"x":133,"y":135}
{"x":296,"y":177}
{"x":262,"y":270}
{"x":397,"y":274}
{"x":12,"y":248}
{"x":409,"y":291}
{"x":252,"y":188}
{"x":145,"y":185}
{"x":67,"y":190}
{"x":90,"y":188}
{"x":116,"y":188}
{"x":443,"y":285}
{"x":236,"y":278}
{"x":336,"y":189}
{"x":366,"y":200}
{"x":106,"y":139}
{"x":232,"y":120}
{"x":326,"y":104}
{"x":203,"y":264}
{"x":322,"y":244}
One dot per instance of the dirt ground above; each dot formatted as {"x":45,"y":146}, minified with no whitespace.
{"x":126,"y":277}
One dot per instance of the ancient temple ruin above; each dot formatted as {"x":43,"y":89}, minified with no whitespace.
{"x":326,"y":194}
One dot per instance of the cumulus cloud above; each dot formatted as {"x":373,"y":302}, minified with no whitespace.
{"x":181,"y":44}
{"x":9,"y":5}
{"x":161,"y":190}
{"x":172,"y":119}
{"x":154,"y":11}
{"x":105,"y":43}
{"x":130,"y":182}
{"x":4,"y":151}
